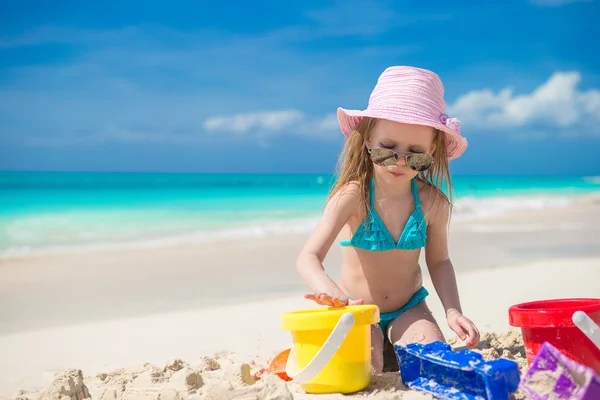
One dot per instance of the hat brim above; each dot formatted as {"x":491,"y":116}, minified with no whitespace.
{"x":455,"y":143}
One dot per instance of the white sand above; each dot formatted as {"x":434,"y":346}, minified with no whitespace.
{"x":108,"y":311}
{"x":250,"y":330}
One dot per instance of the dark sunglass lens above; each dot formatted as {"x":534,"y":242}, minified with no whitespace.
{"x":419,"y":162}
{"x":384,"y":157}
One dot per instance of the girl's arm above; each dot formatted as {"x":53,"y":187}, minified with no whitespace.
{"x":310,"y":260}
{"x":438,"y":261}
{"x":442,"y":274}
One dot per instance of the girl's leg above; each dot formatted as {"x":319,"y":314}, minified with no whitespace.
{"x":415,"y":325}
{"x":376,"y":349}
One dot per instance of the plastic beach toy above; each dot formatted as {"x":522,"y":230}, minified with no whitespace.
{"x":331,"y":348}
{"x":552,"y":321}
{"x":436,"y":369}
{"x":277,"y":365}
{"x":554,"y":376}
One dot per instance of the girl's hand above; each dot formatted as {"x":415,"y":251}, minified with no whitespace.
{"x":464,"y":328}
{"x":327,"y":300}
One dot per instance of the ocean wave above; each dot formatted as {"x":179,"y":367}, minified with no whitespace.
{"x":81,"y":237}
{"x":481,"y":207}
{"x":253,"y":229}
{"x":592,"y":179}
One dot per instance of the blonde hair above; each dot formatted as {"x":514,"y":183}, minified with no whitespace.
{"x":354,"y":164}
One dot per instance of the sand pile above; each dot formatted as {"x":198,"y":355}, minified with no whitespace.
{"x":226,"y":377}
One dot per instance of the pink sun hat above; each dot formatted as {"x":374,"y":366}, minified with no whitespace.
{"x":413,"y":96}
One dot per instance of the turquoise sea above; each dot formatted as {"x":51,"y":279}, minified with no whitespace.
{"x":41,"y":211}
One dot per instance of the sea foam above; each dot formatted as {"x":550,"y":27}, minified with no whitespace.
{"x":68,"y":234}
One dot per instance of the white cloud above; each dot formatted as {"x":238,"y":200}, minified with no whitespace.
{"x":556,"y":3}
{"x":113,"y":134}
{"x":240,"y":123}
{"x":328,"y":123}
{"x":262,"y":124}
{"x":558,"y":103}
{"x":257,"y":127}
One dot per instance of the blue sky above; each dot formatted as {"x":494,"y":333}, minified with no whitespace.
{"x":253,"y":86}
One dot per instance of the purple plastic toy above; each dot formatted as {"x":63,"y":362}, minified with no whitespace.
{"x":552,"y":375}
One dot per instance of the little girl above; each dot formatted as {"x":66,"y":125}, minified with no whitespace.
{"x":387,"y":203}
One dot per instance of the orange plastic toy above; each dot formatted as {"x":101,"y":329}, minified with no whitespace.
{"x":277,"y":366}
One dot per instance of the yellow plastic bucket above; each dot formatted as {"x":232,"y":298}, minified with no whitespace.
{"x":331,"y":348}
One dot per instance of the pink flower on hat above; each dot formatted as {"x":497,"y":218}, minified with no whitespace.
{"x":451,"y":123}
{"x":454,"y":124}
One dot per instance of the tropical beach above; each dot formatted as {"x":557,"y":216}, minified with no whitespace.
{"x":162,"y":168}
{"x":119,"y":311}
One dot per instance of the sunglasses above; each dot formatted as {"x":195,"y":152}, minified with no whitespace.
{"x":415,"y":161}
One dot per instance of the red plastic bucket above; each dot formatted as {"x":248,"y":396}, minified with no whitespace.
{"x":551,"y":321}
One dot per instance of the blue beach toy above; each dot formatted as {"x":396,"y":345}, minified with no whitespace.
{"x":436,"y":369}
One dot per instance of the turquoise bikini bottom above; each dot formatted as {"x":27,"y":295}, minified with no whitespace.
{"x":385,"y":318}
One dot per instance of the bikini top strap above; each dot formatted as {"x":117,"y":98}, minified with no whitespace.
{"x":372,"y":193}
{"x":415,"y":192}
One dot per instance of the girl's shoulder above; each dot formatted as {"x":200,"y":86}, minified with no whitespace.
{"x":347,"y":195}
{"x":350,"y":189}
{"x":434,"y":201}
{"x":347,"y":200}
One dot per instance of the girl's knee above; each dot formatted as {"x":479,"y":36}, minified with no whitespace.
{"x":417,"y":325}
{"x":421,"y":332}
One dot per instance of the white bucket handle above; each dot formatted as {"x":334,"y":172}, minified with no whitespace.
{"x":587,"y":326}
{"x":325,"y":353}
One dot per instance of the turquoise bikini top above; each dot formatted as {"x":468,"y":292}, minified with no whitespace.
{"x":378,"y":238}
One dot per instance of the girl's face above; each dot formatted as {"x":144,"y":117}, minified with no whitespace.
{"x":402,"y":138}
